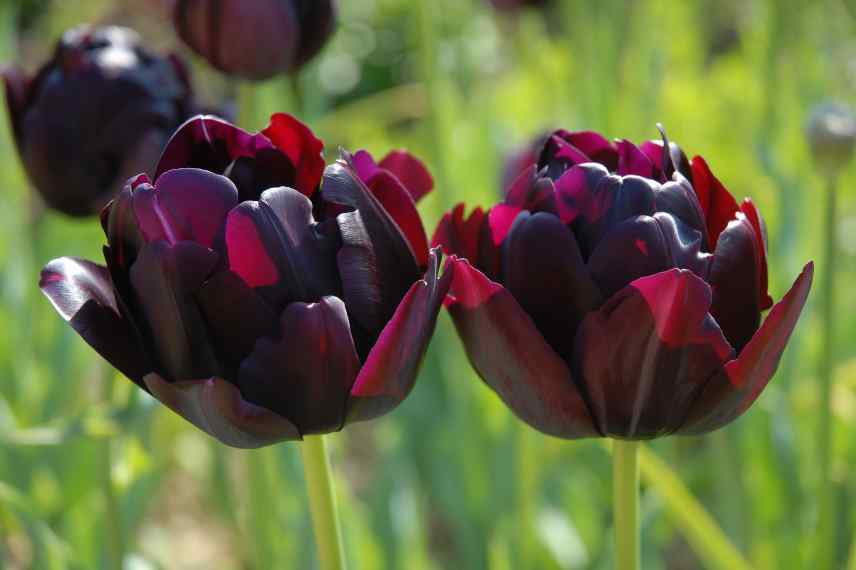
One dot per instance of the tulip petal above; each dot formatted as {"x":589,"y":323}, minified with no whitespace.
{"x":597,"y":147}
{"x":735,"y":275}
{"x":208,"y":143}
{"x":306,"y":372}
{"x":678,"y":198}
{"x":236,"y":316}
{"x":188,"y":204}
{"x":576,"y":187}
{"x":631,"y":161}
{"x":399,"y":204}
{"x":276,"y":247}
{"x":392,"y":365}
{"x":754,"y":216}
{"x":301,"y":146}
{"x":81,"y":292}
{"x":376,"y":263}
{"x":544,"y":270}
{"x":410,"y":171}
{"x":458,"y":235}
{"x":647,"y":353}
{"x":533,"y":193}
{"x":727,"y":395}
{"x":164,"y":278}
{"x":17,"y":86}
{"x":216,"y":407}
{"x":716,"y":202}
{"x":512,"y":357}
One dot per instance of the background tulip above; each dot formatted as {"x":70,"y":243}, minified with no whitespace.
{"x":99,"y":111}
{"x":249,"y":301}
{"x":617,"y":291}
{"x":275,"y":36}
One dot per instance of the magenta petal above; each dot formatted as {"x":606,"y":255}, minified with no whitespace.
{"x":735,"y":277}
{"x":459,"y":235}
{"x":187,"y":204}
{"x":216,"y":407}
{"x":513,"y":358}
{"x":392,"y":365}
{"x":399,"y":204}
{"x":631,"y":160}
{"x":306,"y":372}
{"x":726,"y":396}
{"x":410,"y":171}
{"x":648,"y":352}
{"x":533,"y":193}
{"x":576,"y":188}
{"x":164,"y":279}
{"x":597,"y":147}
{"x":301,"y":146}
{"x":544,"y":270}
{"x":81,"y":292}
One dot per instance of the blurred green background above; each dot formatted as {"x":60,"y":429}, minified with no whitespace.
{"x":89,"y":464}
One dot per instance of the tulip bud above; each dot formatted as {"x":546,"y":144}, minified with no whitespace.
{"x":98,"y":111}
{"x":831,"y":133}
{"x":255,"y":40}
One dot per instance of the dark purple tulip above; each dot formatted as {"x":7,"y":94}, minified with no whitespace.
{"x":98,"y":112}
{"x":252,"y":302}
{"x":258,"y":39}
{"x":617,"y":291}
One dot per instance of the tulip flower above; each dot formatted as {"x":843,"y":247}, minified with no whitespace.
{"x":274,"y":36}
{"x":617,"y":291}
{"x":99,"y":111}
{"x":255,"y":300}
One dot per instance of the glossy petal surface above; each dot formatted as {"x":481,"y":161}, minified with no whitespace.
{"x":513,"y":358}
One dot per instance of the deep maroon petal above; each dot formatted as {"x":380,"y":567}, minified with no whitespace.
{"x":276,"y":246}
{"x":392,"y":365}
{"x":513,"y":358}
{"x":216,"y":407}
{"x":123,"y":232}
{"x":400,"y":206}
{"x":631,"y":160}
{"x":735,"y":276}
{"x":533,"y":193}
{"x":236,"y":317}
{"x":306,"y":372}
{"x":716,"y":202}
{"x":188,"y":204}
{"x":301,"y":146}
{"x":164,"y":279}
{"x":748,"y":208}
{"x":597,"y":147}
{"x":728,"y":395}
{"x":678,"y":198}
{"x":676,"y":159}
{"x":544,"y":270}
{"x":647,"y":353}
{"x":410,"y":171}
{"x":82,"y":294}
{"x":459,"y":235}
{"x":576,"y":187}
{"x":209,"y":143}
{"x":376,"y":263}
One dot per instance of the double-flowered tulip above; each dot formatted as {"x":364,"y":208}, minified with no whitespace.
{"x":256,"y":293}
{"x":99,"y":111}
{"x":255,"y":39}
{"x":617,"y":291}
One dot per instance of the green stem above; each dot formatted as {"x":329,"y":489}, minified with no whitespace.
{"x":826,"y":499}
{"x":322,"y":503}
{"x":625,"y":485}
{"x":112,"y":509}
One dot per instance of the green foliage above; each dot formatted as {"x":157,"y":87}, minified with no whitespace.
{"x":451,"y":479}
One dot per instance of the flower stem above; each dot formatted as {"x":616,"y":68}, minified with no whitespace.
{"x":322,"y":503}
{"x":625,"y":485}
{"x":112,"y":510}
{"x":826,"y":517}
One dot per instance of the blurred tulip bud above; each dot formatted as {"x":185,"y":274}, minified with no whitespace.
{"x":255,"y":40}
{"x":98,"y":112}
{"x":831,"y":133}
